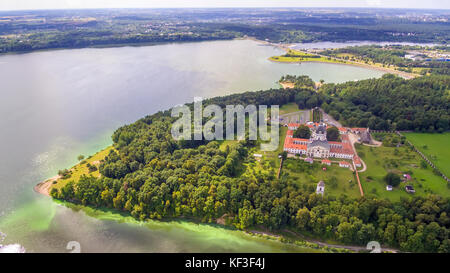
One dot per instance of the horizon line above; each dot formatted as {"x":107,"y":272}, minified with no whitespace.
{"x":225,"y":7}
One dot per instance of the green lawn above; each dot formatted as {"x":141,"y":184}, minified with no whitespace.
{"x":381,"y":160}
{"x":82,"y":169}
{"x":289,"y":108}
{"x":310,"y":174}
{"x":435,"y":146}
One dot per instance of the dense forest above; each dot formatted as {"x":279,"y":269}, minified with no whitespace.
{"x":391,"y":103}
{"x":373,"y":53}
{"x":152,"y":176}
{"x":299,"y":82}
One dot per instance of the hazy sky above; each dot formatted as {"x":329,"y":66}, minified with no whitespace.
{"x":80,"y":4}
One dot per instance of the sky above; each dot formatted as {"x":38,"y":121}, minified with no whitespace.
{"x":84,"y":4}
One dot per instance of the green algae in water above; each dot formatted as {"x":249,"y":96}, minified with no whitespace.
{"x":33,"y":216}
{"x":214,"y":238}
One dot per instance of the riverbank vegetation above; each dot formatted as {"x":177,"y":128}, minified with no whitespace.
{"x":151,"y":176}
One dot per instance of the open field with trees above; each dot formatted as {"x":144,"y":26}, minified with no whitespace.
{"x":296,"y":56}
{"x":402,"y":160}
{"x":338,"y":181}
{"x":88,"y":166}
{"x":436,"y":147}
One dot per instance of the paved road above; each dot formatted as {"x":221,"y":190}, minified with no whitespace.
{"x":330,"y":119}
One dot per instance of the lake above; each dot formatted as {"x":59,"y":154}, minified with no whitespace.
{"x":56,"y":105}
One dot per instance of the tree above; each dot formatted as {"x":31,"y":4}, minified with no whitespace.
{"x":80,"y":157}
{"x":303,"y":218}
{"x":392,"y":179}
{"x":302,"y":131}
{"x":423,"y":164}
{"x":333,"y":133}
{"x":54,"y":193}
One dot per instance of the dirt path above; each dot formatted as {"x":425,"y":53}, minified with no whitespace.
{"x":317,"y":242}
{"x":375,"y":143}
{"x":349,"y":247}
{"x":353,"y":138}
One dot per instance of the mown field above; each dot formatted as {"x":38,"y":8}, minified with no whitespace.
{"x":289,"y":108}
{"x":295,"y":56}
{"x":401,"y":160}
{"x":434,"y":146}
{"x":338,"y":181}
{"x":82,"y":168}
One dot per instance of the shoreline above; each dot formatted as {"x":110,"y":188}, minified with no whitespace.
{"x":44,"y":186}
{"x":286,"y":47}
{"x":367,"y":66}
{"x":117,"y":45}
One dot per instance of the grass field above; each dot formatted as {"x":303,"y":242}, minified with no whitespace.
{"x":434,"y":146}
{"x":381,"y":160}
{"x":299,"y":56}
{"x":82,"y":169}
{"x":289,"y":108}
{"x":310,"y":174}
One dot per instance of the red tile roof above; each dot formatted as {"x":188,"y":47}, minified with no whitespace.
{"x":294,"y":125}
{"x":289,"y":144}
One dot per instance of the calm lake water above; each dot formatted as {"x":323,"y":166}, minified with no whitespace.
{"x":56,"y":105}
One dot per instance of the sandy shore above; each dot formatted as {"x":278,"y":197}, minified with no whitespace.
{"x":287,"y":85}
{"x":44,"y":187}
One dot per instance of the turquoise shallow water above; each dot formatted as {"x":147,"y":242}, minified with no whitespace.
{"x":56,"y":105}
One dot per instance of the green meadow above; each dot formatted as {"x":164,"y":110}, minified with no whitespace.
{"x":401,"y":160}
{"x":295,"y":56}
{"x":82,"y":168}
{"x":338,"y":181}
{"x":289,"y":108}
{"x":434,"y":146}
